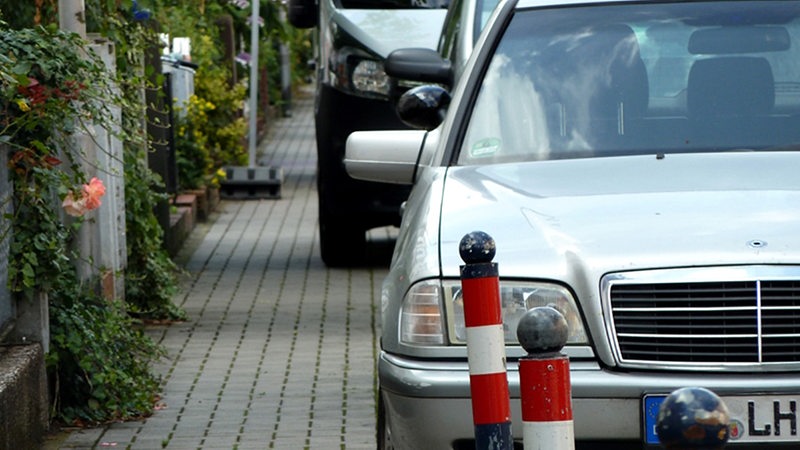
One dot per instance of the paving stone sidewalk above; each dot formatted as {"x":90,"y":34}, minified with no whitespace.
{"x":279,"y":351}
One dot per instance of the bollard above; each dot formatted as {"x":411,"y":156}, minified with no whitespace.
{"x":545,"y":390}
{"x":693,"y":418}
{"x":488,"y":383}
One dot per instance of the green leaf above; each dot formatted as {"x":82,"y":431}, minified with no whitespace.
{"x":29,"y":274}
{"x":22,"y":68}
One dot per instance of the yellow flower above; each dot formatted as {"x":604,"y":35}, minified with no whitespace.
{"x":23,"y":105}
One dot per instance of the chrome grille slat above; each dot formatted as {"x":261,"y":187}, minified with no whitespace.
{"x":686,"y":336}
{"x":740,"y":317}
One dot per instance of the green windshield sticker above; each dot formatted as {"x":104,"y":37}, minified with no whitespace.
{"x":485,"y":148}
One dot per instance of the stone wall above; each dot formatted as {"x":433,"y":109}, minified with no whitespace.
{"x":23,"y":397}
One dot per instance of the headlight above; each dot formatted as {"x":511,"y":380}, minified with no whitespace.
{"x":369,"y":77}
{"x":356,"y":71}
{"x":422,"y":315}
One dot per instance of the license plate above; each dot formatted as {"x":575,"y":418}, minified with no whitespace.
{"x":756,"y":418}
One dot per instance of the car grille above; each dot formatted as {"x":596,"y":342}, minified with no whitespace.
{"x":730,"y":321}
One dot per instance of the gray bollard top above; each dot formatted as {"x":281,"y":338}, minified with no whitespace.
{"x":542,"y":330}
{"x":477,"y":247}
{"x":693,"y":418}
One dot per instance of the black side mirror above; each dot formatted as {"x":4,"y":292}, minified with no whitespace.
{"x":419,"y":64}
{"x":423,"y":107}
{"x":302,"y":13}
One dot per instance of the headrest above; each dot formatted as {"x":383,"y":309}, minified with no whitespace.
{"x":626,"y":79}
{"x":730,"y":86}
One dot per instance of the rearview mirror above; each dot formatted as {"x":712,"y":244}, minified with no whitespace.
{"x":729,"y":40}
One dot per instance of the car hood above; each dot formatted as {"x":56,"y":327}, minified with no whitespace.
{"x":550,"y":219}
{"x":385,"y":30}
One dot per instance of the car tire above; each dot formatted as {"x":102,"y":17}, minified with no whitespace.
{"x":384,"y":434}
{"x":342,"y":232}
{"x":341,"y":242}
{"x":342,"y":238}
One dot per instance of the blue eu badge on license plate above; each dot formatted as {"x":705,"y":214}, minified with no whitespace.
{"x":650,"y":406}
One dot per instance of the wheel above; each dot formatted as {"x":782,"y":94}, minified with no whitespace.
{"x":341,"y":240}
{"x":342,"y":221}
{"x":384,"y":434}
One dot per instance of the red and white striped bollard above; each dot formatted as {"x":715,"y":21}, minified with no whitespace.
{"x":545,"y":389}
{"x":486,"y":351}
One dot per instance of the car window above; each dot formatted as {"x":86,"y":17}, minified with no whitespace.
{"x":452,"y":27}
{"x":459,"y":13}
{"x":639,"y":79}
{"x":483,"y":12}
{"x":393,"y":4}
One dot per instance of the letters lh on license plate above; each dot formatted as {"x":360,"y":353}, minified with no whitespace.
{"x":756,"y":418}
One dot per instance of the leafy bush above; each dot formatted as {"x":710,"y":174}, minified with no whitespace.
{"x":150,"y":275}
{"x":226,"y":126}
{"x":191,"y":145}
{"x":99,"y":361}
{"x":216,"y":111}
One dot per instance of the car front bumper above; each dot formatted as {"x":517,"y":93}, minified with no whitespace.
{"x":428,"y":402}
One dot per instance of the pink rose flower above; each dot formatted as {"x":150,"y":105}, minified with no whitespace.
{"x":92,"y":193}
{"x":90,"y":198}
{"x":74,"y":208}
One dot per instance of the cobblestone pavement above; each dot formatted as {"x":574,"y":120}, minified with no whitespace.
{"x":279,"y":351}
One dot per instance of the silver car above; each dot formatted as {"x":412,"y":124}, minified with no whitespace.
{"x":637,"y":165}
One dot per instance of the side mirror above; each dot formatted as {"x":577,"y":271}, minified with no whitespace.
{"x":423,"y":107}
{"x":385,"y":156}
{"x":302,"y":13}
{"x":419,"y":64}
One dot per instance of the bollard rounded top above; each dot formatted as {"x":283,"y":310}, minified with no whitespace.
{"x":477,"y":247}
{"x":693,"y":417}
{"x":542,"y":330}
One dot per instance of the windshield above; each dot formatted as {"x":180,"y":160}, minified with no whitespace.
{"x":639,"y":79}
{"x":393,"y":4}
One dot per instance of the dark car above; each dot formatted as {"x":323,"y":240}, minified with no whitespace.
{"x":352,"y":39}
{"x":462,"y":27}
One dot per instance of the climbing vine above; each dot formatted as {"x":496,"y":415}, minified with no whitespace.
{"x":52,"y":87}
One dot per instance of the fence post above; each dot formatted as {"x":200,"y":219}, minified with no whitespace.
{"x":693,"y":418}
{"x":544,"y":382}
{"x":486,"y":352}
